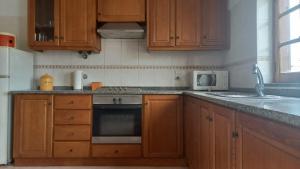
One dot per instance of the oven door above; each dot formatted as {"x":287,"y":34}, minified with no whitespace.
{"x":117,"y":124}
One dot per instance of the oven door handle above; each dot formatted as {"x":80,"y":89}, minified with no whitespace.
{"x":116,"y":106}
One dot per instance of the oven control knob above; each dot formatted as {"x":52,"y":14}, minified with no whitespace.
{"x":120,"y":100}
{"x":115,"y":100}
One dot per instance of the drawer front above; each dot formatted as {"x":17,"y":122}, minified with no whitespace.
{"x":69,"y":133}
{"x":71,"y":149}
{"x":116,"y":151}
{"x":73,"y":117}
{"x":73,"y":102}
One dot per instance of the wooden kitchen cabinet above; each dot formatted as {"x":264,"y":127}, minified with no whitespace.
{"x":161,"y":23}
{"x":33,"y":126}
{"x":192,"y":131}
{"x":121,"y":10}
{"x":215,"y":24}
{"x":223,"y":139}
{"x":208,"y":135}
{"x":187,"y":24}
{"x":63,"y":25}
{"x":163,"y":126}
{"x":265,"y":144}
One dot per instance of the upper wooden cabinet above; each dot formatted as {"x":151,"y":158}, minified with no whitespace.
{"x":63,"y":25}
{"x":161,"y":23}
{"x":215,"y":24}
{"x":33,"y":126}
{"x":187,"y":24}
{"x":163,"y":126}
{"x":121,"y":10}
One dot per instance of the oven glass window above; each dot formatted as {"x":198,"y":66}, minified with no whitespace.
{"x":117,"y":122}
{"x":206,"y":80}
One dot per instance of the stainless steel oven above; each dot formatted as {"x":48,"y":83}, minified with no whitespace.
{"x":117,"y":119}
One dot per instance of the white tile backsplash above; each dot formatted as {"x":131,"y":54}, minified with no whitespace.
{"x":125,"y":62}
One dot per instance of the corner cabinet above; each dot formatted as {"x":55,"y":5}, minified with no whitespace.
{"x":219,"y":137}
{"x":163,"y":126}
{"x":208,"y":135}
{"x":63,"y":25}
{"x":33,"y":126}
{"x":187,"y":24}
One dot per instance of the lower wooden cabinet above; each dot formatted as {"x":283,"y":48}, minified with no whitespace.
{"x":217,"y":137}
{"x":208,"y":135}
{"x":71,"y":149}
{"x":33,"y":125}
{"x":263,"y":144}
{"x":117,"y":150}
{"x":163,"y":126}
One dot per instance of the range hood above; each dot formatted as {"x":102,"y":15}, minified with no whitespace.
{"x":121,"y":31}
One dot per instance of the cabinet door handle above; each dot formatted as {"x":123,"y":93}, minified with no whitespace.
{"x":171,"y":37}
{"x":49,"y":104}
{"x":56,"y":37}
{"x":177,"y":37}
{"x":204,"y":37}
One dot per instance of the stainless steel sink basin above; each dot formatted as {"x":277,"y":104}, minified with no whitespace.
{"x":241,"y":95}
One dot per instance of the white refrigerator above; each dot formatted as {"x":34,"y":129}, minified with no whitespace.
{"x":16,"y":73}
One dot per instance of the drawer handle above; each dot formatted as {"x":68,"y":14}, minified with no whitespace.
{"x":71,"y":134}
{"x":71,"y":102}
{"x":116,"y":151}
{"x":71,"y":150}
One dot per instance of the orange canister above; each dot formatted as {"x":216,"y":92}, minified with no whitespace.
{"x":46,"y":83}
{"x":7,"y":39}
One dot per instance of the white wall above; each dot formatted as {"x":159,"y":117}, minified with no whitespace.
{"x":251,"y":42}
{"x":13,"y":19}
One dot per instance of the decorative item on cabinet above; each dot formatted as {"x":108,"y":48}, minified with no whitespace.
{"x":46,"y":83}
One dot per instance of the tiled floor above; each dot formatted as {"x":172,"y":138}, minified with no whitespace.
{"x":11,"y":167}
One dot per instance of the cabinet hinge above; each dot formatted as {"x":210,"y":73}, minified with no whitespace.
{"x":235,"y":134}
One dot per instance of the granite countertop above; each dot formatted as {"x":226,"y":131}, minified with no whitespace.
{"x":282,"y":109}
{"x":166,"y":91}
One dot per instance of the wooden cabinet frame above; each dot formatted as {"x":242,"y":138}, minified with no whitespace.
{"x":90,"y":43}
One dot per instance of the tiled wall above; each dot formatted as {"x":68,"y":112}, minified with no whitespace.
{"x":127,"y":63}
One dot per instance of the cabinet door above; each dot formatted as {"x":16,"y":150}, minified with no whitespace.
{"x":263,"y":144}
{"x":215,"y":18}
{"x":43,"y":23}
{"x":78,"y":23}
{"x":161,"y":23}
{"x":188,"y":23}
{"x":121,"y":10}
{"x":163,"y":125}
{"x":206,"y":141}
{"x":223,"y":128}
{"x":192,"y":128}
{"x":33,"y":126}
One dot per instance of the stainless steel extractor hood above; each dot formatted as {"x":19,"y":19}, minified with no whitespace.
{"x":121,"y":31}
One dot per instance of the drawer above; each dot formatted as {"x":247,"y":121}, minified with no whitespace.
{"x":73,"y":102}
{"x":70,"y":132}
{"x":71,"y":149}
{"x":113,"y":150}
{"x":72,"y":117}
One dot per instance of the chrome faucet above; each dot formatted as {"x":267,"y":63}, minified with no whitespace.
{"x":259,"y":87}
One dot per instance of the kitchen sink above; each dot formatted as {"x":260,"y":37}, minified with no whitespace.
{"x":242,"y":95}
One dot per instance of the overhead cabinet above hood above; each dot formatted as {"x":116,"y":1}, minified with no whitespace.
{"x":121,"y":31}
